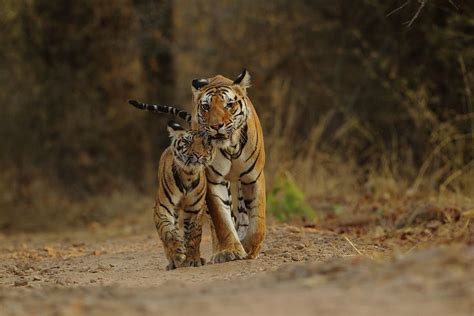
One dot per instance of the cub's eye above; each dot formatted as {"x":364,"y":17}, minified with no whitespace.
{"x":229,"y":105}
{"x":205,"y":106}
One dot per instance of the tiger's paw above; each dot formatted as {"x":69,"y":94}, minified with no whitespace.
{"x":194,"y":262}
{"x":252,"y":248}
{"x":228,"y":255}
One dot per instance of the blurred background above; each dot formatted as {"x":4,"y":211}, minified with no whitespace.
{"x":358,"y":99}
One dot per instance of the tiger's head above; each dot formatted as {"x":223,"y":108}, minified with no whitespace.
{"x":191,"y":149}
{"x":220,"y":107}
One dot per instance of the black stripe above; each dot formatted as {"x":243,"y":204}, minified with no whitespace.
{"x":225,"y":154}
{"x":166,"y":186}
{"x":192,"y":212}
{"x":243,"y":142}
{"x":177,"y":179}
{"x":250,"y":168}
{"x":168,"y":196}
{"x":254,"y":181}
{"x":225,"y":202}
{"x":224,"y":183}
{"x":215,"y":171}
{"x":194,"y":184}
{"x":254,"y":150}
{"x":248,"y":202}
{"x":167,"y":210}
{"x":198,"y":199}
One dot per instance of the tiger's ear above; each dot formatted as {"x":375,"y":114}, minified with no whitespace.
{"x":198,"y":84}
{"x":175,"y":130}
{"x":243,"y":80}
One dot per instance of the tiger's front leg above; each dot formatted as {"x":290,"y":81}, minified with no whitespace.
{"x":253,"y":193}
{"x":193,"y":218}
{"x":218,"y":201}
{"x":242,"y":222}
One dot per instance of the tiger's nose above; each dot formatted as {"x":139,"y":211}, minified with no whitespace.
{"x":217,"y":126}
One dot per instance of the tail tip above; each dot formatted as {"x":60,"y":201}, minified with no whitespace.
{"x":133,"y":102}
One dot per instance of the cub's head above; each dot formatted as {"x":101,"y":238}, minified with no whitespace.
{"x":191,"y":149}
{"x":220,"y":106}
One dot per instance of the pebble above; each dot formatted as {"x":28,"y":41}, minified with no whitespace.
{"x":20,"y":283}
{"x":299,"y":246}
{"x":293,"y":229}
{"x":295,"y":258}
{"x":272,"y":251}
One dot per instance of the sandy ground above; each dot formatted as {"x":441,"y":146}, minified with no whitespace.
{"x":120,"y":270}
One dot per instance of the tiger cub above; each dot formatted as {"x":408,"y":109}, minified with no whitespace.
{"x":182,"y":189}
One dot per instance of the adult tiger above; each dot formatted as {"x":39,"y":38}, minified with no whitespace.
{"x":222,"y":108}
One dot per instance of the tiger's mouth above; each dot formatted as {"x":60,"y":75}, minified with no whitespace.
{"x":219,"y":136}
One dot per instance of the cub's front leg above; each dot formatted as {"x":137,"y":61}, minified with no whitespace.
{"x":193,"y":218}
{"x":166,"y":223}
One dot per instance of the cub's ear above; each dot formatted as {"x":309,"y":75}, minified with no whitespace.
{"x":243,"y":80}
{"x":198,"y":84}
{"x":174,"y":129}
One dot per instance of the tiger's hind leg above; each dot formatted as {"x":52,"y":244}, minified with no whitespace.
{"x":192,"y":237}
{"x":166,"y":223}
{"x":242,"y":221}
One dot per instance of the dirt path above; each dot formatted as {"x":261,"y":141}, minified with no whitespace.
{"x":120,"y":270}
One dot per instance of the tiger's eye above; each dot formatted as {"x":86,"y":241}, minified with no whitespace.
{"x":205,"y":106}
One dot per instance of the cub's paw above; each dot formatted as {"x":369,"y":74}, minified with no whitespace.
{"x":177,"y":261}
{"x":228,"y":255}
{"x":194,"y":262}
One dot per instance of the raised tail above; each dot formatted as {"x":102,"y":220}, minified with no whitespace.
{"x":162,"y":109}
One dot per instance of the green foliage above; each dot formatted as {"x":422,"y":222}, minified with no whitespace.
{"x":286,"y":201}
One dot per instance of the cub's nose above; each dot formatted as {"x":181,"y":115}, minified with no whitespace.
{"x":217,"y":126}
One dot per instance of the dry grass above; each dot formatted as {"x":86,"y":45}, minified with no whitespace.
{"x":445,"y":176}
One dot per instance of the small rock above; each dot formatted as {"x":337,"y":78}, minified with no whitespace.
{"x":293,"y":229}
{"x":59,"y":282}
{"x":36,"y":278}
{"x":286,"y":255}
{"x":299,"y":246}
{"x":20,"y":283}
{"x":102,"y":267}
{"x":272,"y":251}
{"x":295,"y":258}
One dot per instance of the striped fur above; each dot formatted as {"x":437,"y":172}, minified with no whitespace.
{"x":161,"y":109}
{"x":223,"y":110}
{"x":182,"y":188}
